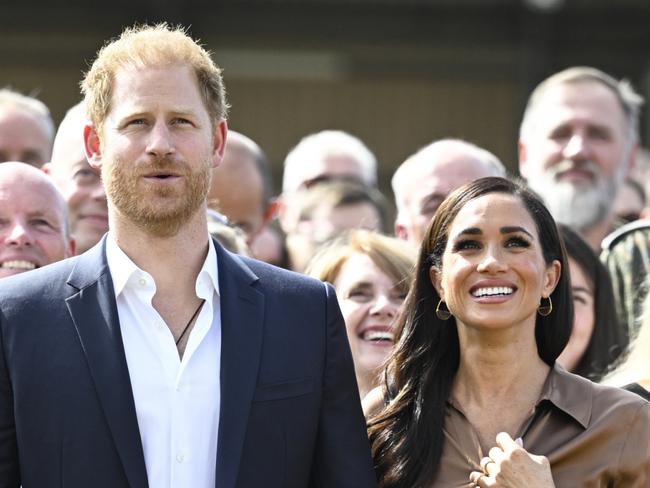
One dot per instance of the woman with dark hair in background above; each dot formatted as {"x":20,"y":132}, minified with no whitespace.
{"x":471,"y":395}
{"x":597,"y":339}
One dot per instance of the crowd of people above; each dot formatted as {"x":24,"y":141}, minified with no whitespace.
{"x":206,"y":331}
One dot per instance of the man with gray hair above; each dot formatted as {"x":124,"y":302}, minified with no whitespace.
{"x":329,"y":154}
{"x":424,"y":180}
{"x":578,"y":140}
{"x":322,"y":156}
{"x":26,"y":129}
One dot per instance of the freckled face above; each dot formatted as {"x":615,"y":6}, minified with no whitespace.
{"x":159,"y":147}
{"x":493,"y":269}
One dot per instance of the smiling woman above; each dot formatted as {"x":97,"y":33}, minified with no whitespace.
{"x":371,"y":274}
{"x":597,"y":339}
{"x":473,"y":368}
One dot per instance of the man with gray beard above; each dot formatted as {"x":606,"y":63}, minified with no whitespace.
{"x":578,"y":140}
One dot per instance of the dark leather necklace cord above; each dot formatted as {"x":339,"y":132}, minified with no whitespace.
{"x":196,"y":312}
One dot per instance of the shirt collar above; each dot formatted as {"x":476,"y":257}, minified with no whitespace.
{"x":122,"y":268}
{"x":570,"y":393}
{"x":209,"y":270}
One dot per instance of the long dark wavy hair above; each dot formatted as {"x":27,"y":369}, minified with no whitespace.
{"x":407,"y":434}
{"x":608,"y":339}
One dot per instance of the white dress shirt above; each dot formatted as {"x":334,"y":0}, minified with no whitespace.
{"x":176,"y":401}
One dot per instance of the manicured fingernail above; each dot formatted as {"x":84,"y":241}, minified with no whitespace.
{"x":519,"y":441}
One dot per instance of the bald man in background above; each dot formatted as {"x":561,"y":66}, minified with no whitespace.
{"x":26,"y":129}
{"x":34,"y":230}
{"x":424,"y":180}
{"x":80,"y":184}
{"x":241,"y":187}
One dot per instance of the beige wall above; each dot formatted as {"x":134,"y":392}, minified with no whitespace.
{"x":394,"y":117}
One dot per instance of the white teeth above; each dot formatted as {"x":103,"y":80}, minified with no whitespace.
{"x":18,"y":264}
{"x":492,"y":291}
{"x":377,"y":335}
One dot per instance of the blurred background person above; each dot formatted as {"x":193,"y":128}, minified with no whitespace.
{"x":26,"y":129}
{"x":80,"y":183}
{"x":242,"y":187}
{"x":327,"y":209}
{"x":371,"y":274}
{"x":270,"y":246}
{"x":473,"y":368}
{"x":633,"y":373}
{"x":630,"y":202}
{"x":228,"y":235}
{"x":626,"y":255}
{"x":597,"y":338}
{"x":424,"y":180}
{"x":322,"y":156}
{"x":577,"y":144}
{"x":33,"y":220}
{"x":625,"y":252}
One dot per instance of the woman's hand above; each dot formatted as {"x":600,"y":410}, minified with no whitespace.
{"x":510,"y":466}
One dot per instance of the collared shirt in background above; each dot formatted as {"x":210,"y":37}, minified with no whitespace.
{"x":177,"y":401}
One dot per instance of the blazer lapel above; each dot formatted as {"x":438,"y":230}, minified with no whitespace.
{"x":94,"y":313}
{"x":242,"y":316}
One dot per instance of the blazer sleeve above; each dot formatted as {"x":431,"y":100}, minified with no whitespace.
{"x":9,"y":467}
{"x":342,"y":456}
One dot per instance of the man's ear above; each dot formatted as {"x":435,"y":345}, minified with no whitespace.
{"x":71,"y":248}
{"x":270,"y":211}
{"x":287,"y":214}
{"x":435,"y":277}
{"x":92,"y":146}
{"x":219,"y":141}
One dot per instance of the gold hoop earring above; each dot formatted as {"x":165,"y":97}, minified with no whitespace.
{"x":545,"y":310}
{"x":442,"y":313}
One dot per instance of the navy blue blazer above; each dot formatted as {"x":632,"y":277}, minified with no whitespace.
{"x":290,"y":412}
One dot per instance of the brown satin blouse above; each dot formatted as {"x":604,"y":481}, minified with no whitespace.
{"x":594,"y":436}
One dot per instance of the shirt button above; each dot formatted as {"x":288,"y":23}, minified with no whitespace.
{"x":180,"y":458}
{"x":142,"y":282}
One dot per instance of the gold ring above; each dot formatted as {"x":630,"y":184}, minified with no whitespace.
{"x":484,"y":462}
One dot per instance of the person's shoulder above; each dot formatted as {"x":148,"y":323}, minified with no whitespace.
{"x":38,"y":279}
{"x":611,"y":400}
{"x":637,"y":389}
{"x":274,"y":276}
{"x":35,"y":292}
{"x":605,"y":399}
{"x":616,"y":395}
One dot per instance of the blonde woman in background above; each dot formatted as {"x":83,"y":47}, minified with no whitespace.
{"x":371,"y":274}
{"x":633,"y":373}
